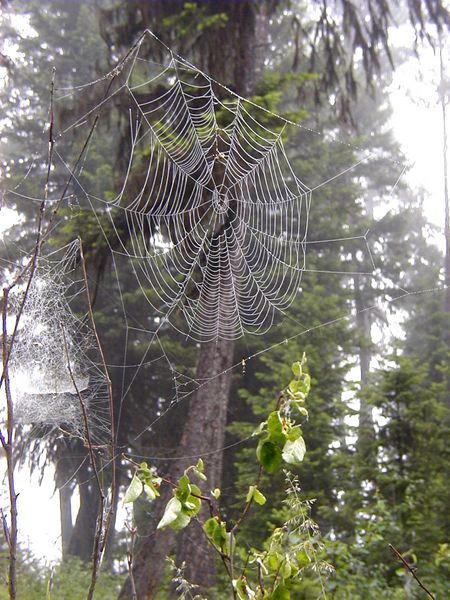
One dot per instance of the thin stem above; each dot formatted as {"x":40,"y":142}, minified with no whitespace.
{"x":223,"y":557}
{"x":306,"y":526}
{"x":7,"y":346}
{"x":130,"y":552}
{"x":248,"y":504}
{"x":41,"y":236}
{"x":7,"y":444}
{"x":112,"y":439}
{"x":96,"y":553}
{"x":30,"y":267}
{"x":247,"y":560}
{"x":410,"y":570}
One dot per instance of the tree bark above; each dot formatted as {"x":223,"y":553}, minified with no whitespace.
{"x":82,"y":538}
{"x":366,"y":432}
{"x":206,"y":427}
{"x":444,"y":99}
{"x":203,"y":436}
{"x":65,"y":511}
{"x":63,"y":473}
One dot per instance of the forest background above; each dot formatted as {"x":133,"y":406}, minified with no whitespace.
{"x":377,"y":461}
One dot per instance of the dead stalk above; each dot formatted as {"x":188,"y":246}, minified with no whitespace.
{"x":130,"y":554}
{"x":27,"y":274}
{"x":96,"y":553}
{"x":410,"y":570}
{"x":7,"y":444}
{"x":7,"y":347}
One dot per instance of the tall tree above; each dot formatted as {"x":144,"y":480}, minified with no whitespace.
{"x":444,"y":100}
{"x":243,"y":30}
{"x":40,"y":39}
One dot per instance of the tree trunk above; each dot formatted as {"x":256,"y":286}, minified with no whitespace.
{"x":63,"y":475}
{"x":203,"y":436}
{"x":241,"y":45}
{"x":206,"y":428}
{"x":366,"y":432}
{"x":65,"y":511}
{"x":444,"y":100}
{"x":82,"y":538}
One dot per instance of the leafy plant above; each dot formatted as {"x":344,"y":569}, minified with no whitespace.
{"x":281,"y":436}
{"x":273,"y":571}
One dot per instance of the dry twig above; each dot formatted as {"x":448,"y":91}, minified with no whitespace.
{"x":410,"y":569}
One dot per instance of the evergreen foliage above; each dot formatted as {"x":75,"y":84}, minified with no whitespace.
{"x":361,"y":487}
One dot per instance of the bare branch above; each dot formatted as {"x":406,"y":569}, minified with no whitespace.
{"x":411,"y":570}
{"x":133,"y":532}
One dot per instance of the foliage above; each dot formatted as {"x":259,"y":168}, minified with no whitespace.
{"x":290,"y":550}
{"x":398,"y":498}
{"x":65,"y":581}
{"x":294,"y":560}
{"x":281,"y":439}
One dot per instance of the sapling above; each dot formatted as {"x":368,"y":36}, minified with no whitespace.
{"x":254,"y":574}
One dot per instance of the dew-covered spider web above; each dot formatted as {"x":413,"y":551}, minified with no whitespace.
{"x":206,"y":207}
{"x":56,"y":380}
{"x":196,"y":209}
{"x":204,"y":217}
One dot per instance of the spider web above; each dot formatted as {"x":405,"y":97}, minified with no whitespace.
{"x":210,"y":212}
{"x":206,"y":212}
{"x":52,"y":365}
{"x":208,"y":217}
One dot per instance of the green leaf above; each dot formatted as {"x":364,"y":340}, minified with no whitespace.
{"x":150,"y":491}
{"x":210,"y":526}
{"x":269,"y":455}
{"x":184,"y":488}
{"x":216,"y":493}
{"x":294,"y":433}
{"x":294,"y":386}
{"x":259,"y":497}
{"x":240,"y":589}
{"x":255,"y":495}
{"x":173,"y":509}
{"x":181,"y":521}
{"x":307,"y":380}
{"x":302,"y":410}
{"x":281,"y":592}
{"x":286,"y":569}
{"x":294,"y":452}
{"x":303,"y":558}
{"x":183,"y":483}
{"x":297,"y":368}
{"x":218,"y":535}
{"x":200,"y":475}
{"x":199,"y":466}
{"x":192,"y":505}
{"x":260,"y":429}
{"x":273,"y":561}
{"x":134,"y":490}
{"x":143,"y":473}
{"x":195,"y":490}
{"x":275,"y":427}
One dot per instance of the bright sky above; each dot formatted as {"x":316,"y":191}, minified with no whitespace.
{"x":417,"y":123}
{"x":418,"y":126}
